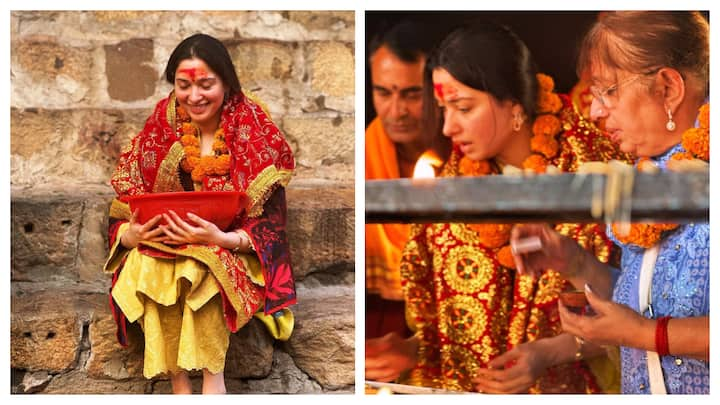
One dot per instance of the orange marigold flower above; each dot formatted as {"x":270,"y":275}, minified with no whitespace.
{"x":198,"y":173}
{"x":546,"y":124}
{"x":643,"y":235}
{"x":189,"y":140}
{"x":492,"y":235}
{"x":505,"y":258}
{"x":188,"y":128}
{"x":191,"y":150}
{"x":545,"y":82}
{"x":469,"y":167}
{"x":186,"y":166}
{"x":545,"y":145}
{"x":536,"y":162}
{"x":697,"y":142}
{"x":219,"y":146}
{"x":224,"y":162}
{"x":704,"y":116}
{"x":682,"y":156}
{"x":548,"y":103}
{"x":666,"y":227}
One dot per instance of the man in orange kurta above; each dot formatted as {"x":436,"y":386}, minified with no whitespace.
{"x":392,"y":146}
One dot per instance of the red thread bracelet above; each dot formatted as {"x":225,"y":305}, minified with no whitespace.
{"x":661,"y":336}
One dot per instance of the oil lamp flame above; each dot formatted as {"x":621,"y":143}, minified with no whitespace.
{"x":426,"y":164}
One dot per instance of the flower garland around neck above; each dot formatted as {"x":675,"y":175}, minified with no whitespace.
{"x":201,"y":166}
{"x":696,"y":142}
{"x":544,"y":146}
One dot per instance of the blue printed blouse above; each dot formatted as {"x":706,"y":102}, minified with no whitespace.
{"x":680,"y":288}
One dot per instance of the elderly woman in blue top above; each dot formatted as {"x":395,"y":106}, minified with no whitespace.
{"x":650,"y":77}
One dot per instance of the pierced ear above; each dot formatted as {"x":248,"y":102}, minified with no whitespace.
{"x":672,"y":88}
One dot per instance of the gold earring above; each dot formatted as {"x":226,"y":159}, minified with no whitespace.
{"x":670,"y":126}
{"x":517,"y":122}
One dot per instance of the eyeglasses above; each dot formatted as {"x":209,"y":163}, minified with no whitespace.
{"x":608,"y":96}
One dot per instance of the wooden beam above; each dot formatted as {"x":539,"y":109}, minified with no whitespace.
{"x":661,"y":197}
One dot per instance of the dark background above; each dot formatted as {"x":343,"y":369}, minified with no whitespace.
{"x":552,"y":36}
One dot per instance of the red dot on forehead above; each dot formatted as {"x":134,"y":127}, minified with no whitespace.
{"x":439,"y":91}
{"x":194,"y":73}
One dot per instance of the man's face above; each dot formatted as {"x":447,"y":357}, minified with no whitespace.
{"x":397,"y":94}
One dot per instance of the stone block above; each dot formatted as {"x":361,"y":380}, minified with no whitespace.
{"x":44,"y":58}
{"x":66,"y":146}
{"x":324,"y":20}
{"x":333,"y":68}
{"x":285,"y":378}
{"x":129,"y":71}
{"x":45,"y":331}
{"x":264,"y":60}
{"x":321,"y":227}
{"x":250,"y":354}
{"x":323,"y":341}
{"x":77,"y":382}
{"x":44,"y":237}
{"x":48,"y":74}
{"x":322,"y":141}
{"x":108,"y":359}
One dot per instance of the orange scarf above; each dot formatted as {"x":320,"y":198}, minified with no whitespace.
{"x":383,"y":242}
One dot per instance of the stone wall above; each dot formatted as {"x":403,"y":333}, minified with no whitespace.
{"x":82,"y":85}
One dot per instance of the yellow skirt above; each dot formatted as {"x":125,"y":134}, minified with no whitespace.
{"x":178,"y":304}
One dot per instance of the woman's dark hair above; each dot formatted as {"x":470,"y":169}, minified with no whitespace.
{"x":644,"y":41}
{"x":212,"y":52}
{"x":486,"y":57}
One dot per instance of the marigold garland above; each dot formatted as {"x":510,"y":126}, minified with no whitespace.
{"x":217,"y":164}
{"x":696,"y":142}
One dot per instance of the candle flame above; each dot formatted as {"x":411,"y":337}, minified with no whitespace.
{"x":425,"y":165}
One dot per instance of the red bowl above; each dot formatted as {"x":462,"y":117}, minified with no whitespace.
{"x":218,"y":207}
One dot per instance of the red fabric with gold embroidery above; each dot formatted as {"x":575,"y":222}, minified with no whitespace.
{"x":467,"y":308}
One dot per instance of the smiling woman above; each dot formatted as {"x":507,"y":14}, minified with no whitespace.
{"x":188,"y":283}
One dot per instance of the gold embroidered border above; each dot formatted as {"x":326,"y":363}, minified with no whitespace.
{"x":117,"y":252}
{"x":206,"y":256}
{"x":170,"y":111}
{"x":259,"y":190}
{"x":167,"y":178}
{"x":120,"y":210}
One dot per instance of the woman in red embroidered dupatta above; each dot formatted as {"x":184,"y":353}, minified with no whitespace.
{"x":182,"y":288}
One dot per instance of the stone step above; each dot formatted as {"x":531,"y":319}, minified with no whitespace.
{"x":61,"y":235}
{"x":63,"y":341}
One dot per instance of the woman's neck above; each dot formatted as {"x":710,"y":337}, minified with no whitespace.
{"x":517,"y":148}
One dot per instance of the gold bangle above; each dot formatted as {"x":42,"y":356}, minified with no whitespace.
{"x":580,"y":343}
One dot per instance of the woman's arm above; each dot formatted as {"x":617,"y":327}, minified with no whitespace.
{"x":618,"y":325}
